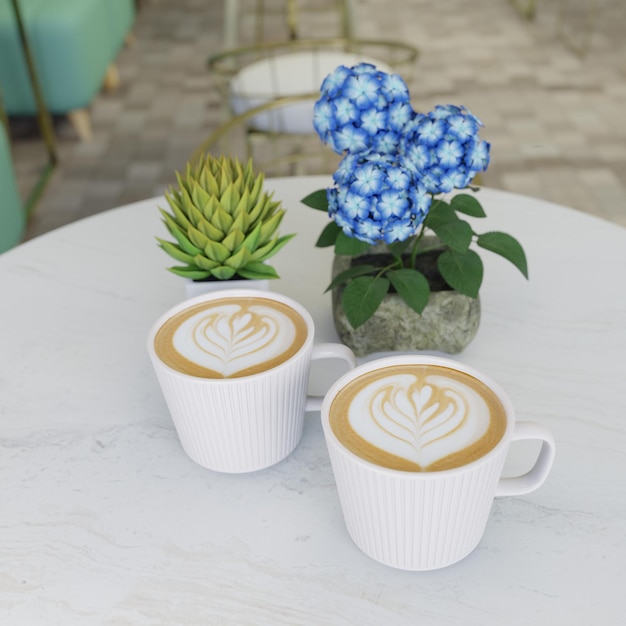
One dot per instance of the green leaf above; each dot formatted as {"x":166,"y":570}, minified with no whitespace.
{"x":180,"y":237}
{"x":463,"y":271}
{"x":269,"y":226}
{"x":457,"y":234}
{"x":238,"y":259}
{"x":350,"y":246}
{"x":198,"y":238}
{"x":191,"y":274}
{"x":317,"y":200}
{"x":216,"y":251}
{"x":398,"y":248}
{"x":351,"y":272}
{"x":256,"y":271}
{"x":362,"y":296}
{"x":229,"y":199}
{"x":204,"y":264}
{"x":199,"y":196}
{"x":440,"y":212}
{"x":175,"y":252}
{"x":234,"y":240}
{"x":465,"y":203}
{"x":328,"y":236}
{"x":507,"y":247}
{"x":252,"y":239}
{"x":208,"y":229}
{"x":411,"y":286}
{"x":221,"y":219}
{"x":223,"y":273}
{"x":269,"y":250}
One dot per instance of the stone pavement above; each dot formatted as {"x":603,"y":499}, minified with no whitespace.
{"x":555,"y":119}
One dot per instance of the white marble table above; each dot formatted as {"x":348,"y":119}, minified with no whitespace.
{"x":104,"y":520}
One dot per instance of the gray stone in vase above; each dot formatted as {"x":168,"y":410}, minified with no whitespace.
{"x":448,"y":323}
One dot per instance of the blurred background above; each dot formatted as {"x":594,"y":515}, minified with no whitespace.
{"x":547,"y":78}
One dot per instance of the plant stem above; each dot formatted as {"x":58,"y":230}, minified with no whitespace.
{"x":420,"y":235}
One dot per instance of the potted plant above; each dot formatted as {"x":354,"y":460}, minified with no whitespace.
{"x":405,"y":274}
{"x":224,"y":224}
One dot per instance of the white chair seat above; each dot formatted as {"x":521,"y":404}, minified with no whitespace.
{"x":291,"y":74}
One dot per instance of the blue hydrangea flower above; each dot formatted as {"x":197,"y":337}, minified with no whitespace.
{"x":362,"y":109}
{"x":376,"y":199}
{"x":443,"y":148}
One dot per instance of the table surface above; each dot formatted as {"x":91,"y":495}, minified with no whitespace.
{"x":105,"y":520}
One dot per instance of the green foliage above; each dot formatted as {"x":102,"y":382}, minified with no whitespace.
{"x":317,"y":200}
{"x":362,"y":296}
{"x":223,"y":223}
{"x":366,"y":285}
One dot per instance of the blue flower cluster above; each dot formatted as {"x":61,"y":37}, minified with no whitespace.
{"x":362,"y":109}
{"x":376,"y":199}
{"x":443,"y":148}
{"x":396,"y":159}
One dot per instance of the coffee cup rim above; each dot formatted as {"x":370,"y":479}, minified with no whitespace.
{"x":387,"y":361}
{"x":230,"y":293}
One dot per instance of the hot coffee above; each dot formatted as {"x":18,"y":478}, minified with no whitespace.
{"x":417,"y":417}
{"x":230,"y":337}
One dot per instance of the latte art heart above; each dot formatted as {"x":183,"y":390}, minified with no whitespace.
{"x":422,"y":420}
{"x":230,"y":338}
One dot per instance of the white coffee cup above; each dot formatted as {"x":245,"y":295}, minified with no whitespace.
{"x":250,"y":415}
{"x":423,"y":518}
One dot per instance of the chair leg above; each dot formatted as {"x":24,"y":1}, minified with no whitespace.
{"x":231,"y":15}
{"x":111,"y":78}
{"x":80,"y":120}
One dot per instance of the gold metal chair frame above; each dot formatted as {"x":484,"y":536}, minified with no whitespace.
{"x":526,"y":8}
{"x":274,"y":162}
{"x":580,"y":48}
{"x":43,"y":116}
{"x":291,"y":12}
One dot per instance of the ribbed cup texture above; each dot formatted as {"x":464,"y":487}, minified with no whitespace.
{"x":415,"y":521}
{"x":239,"y":425}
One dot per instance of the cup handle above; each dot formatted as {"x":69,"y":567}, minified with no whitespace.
{"x":536,"y":476}
{"x":328,"y":351}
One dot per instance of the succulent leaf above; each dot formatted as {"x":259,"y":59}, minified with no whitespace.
{"x":229,"y":200}
{"x":175,"y":252}
{"x":234,"y":240}
{"x":198,"y":238}
{"x":175,"y":205}
{"x":241,"y":223}
{"x":206,"y":228}
{"x":200,"y":197}
{"x":239,"y":259}
{"x":221,"y":219}
{"x":191,"y":273}
{"x":270,"y":226}
{"x":177,"y":232}
{"x":252,"y":240}
{"x":271,"y":248}
{"x":216,"y":250}
{"x":223,"y":272}
{"x":257,"y":270}
{"x":204,"y":264}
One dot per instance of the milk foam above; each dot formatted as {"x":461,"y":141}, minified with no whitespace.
{"x":422,"y":420}
{"x":232,"y":337}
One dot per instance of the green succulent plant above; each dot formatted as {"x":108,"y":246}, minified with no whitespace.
{"x":224,"y":224}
